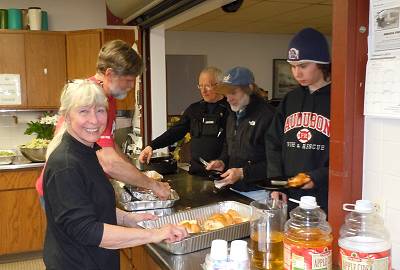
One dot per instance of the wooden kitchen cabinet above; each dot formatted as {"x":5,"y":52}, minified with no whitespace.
{"x":137,"y":258}
{"x":40,"y":59}
{"x":83,"y":48}
{"x":22,"y":222}
{"x":45,"y":68}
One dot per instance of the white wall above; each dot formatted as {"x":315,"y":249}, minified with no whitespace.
{"x":66,"y":15}
{"x":381,"y":181}
{"x":226,"y":50}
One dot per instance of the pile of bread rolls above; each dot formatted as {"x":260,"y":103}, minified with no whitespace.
{"x":214,"y":222}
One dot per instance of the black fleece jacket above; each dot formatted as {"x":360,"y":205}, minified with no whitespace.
{"x":245,"y":144}
{"x":206,"y":124}
{"x":298,"y":141}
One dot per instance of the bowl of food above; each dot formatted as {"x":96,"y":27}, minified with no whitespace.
{"x":7,"y":157}
{"x":35,"y":150}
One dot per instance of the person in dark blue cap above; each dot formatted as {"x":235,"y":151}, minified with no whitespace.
{"x":298,"y":138}
{"x":243,"y":156}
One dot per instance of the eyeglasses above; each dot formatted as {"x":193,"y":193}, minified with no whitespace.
{"x":206,"y":86}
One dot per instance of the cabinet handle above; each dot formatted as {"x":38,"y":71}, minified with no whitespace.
{"x":45,"y":71}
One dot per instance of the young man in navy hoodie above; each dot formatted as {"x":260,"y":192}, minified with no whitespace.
{"x":298,"y":138}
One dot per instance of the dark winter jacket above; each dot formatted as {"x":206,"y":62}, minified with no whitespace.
{"x":298,"y":141}
{"x":245,"y":144}
{"x":206,"y":124}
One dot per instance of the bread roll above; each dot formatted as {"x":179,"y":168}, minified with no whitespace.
{"x":191,"y":226}
{"x":299,"y":180}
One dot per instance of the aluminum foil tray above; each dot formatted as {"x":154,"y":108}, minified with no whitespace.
{"x":203,"y":240}
{"x":128,"y":202}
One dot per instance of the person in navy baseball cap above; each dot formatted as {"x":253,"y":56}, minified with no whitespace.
{"x":243,"y":160}
{"x":235,"y":77}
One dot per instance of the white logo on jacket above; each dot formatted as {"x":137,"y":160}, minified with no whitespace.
{"x":252,"y":123}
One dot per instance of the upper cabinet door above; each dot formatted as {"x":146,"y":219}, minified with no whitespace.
{"x":82,"y":50}
{"x":45,"y":68}
{"x":12,"y":59}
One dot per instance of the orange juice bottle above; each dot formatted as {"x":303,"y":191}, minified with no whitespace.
{"x":307,"y":238}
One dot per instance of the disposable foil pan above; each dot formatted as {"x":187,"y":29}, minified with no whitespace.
{"x":127,"y":202}
{"x":203,"y":240}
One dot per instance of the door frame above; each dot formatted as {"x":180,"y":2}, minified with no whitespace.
{"x":349,"y":59}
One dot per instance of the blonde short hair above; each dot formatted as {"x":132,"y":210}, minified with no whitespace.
{"x":78,"y":93}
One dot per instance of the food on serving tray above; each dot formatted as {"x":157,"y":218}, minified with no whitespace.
{"x":214,"y":222}
{"x":191,"y":226}
{"x":299,"y":180}
{"x":37,"y":143}
{"x":220,"y":220}
{"x":153,"y":174}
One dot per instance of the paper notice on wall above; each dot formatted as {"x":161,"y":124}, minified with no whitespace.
{"x":382,"y":88}
{"x":385,"y":25}
{"x":10,"y":89}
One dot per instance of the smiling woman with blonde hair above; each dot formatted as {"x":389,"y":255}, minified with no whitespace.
{"x":83,"y":226}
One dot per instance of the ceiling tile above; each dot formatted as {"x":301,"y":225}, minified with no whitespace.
{"x":265,"y":16}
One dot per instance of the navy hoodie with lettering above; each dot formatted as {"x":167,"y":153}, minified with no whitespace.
{"x":298,"y":141}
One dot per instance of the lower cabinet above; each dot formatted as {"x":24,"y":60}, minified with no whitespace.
{"x":22,"y":222}
{"x":137,"y":258}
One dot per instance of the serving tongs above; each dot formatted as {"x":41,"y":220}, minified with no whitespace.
{"x":212,"y":174}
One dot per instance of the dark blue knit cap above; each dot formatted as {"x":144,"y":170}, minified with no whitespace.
{"x":309,"y":45}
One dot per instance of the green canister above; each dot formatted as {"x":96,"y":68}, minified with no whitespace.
{"x":14,"y":18}
{"x":3,"y":19}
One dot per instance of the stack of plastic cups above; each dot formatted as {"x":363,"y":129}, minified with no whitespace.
{"x":3,"y":19}
{"x":218,"y":257}
{"x":14,"y":18}
{"x":239,"y":256}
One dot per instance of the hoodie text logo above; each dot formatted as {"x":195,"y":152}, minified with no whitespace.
{"x":308,"y":120}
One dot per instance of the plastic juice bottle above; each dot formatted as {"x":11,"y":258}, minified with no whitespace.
{"x":307,"y":238}
{"x":364,"y":241}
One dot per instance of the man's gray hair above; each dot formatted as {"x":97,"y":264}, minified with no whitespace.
{"x":214,"y":71}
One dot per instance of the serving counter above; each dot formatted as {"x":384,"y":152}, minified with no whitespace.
{"x":194,"y":191}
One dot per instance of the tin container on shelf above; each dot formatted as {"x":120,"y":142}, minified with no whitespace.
{"x":130,"y":198}
{"x":203,"y":240}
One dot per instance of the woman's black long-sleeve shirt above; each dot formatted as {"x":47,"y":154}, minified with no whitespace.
{"x":206,"y":123}
{"x":79,"y":200}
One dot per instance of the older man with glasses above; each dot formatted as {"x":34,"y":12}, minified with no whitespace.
{"x":205,"y":120}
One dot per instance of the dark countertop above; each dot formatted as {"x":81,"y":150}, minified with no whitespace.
{"x":194,"y":191}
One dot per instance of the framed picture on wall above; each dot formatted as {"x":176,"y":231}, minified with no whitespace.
{"x":283,"y":80}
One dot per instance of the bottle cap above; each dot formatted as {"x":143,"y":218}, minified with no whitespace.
{"x":239,"y":251}
{"x":361,"y":206}
{"x":364,"y":206}
{"x":219,"y":250}
{"x":308,"y":202}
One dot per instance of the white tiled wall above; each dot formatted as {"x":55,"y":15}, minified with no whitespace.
{"x":381,"y":182}
{"x":11,"y":133}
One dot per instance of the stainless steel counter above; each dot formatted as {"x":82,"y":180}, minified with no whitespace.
{"x":21,"y":166}
{"x":194,"y":191}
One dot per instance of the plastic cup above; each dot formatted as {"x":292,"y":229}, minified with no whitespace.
{"x":239,"y":251}
{"x":219,"y":250}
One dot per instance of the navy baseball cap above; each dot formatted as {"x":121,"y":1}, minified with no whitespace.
{"x":237,"y":76}
{"x":309,"y":45}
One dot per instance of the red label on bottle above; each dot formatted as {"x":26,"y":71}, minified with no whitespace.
{"x":352,"y":260}
{"x":301,"y":258}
